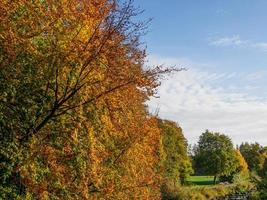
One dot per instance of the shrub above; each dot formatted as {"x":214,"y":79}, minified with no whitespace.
{"x":171,"y":192}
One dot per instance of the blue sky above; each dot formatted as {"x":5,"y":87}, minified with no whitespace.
{"x":223,"y":44}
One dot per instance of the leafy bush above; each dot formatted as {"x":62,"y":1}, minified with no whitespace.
{"x":171,"y":192}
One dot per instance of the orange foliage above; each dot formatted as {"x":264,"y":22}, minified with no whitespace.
{"x":92,"y":137}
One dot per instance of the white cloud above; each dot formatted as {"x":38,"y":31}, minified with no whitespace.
{"x":228,"y":41}
{"x":261,"y":46}
{"x":255,"y":76}
{"x":189,"y":98}
{"x":236,"y":41}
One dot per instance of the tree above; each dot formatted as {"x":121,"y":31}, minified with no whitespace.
{"x":215,"y":155}
{"x":175,"y":162}
{"x":262,"y":183}
{"x":242,"y":164}
{"x":241,"y":171}
{"x":254,"y":155}
{"x":104,"y":157}
{"x":46,"y":67}
{"x":67,"y":69}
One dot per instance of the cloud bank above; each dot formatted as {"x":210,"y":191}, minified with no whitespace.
{"x":194,"y":100}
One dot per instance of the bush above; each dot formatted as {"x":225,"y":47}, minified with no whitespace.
{"x":171,"y":192}
{"x":262,"y":189}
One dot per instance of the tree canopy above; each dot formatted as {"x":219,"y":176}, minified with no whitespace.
{"x":242,"y":166}
{"x":254,"y":155}
{"x":74,"y":123}
{"x":175,"y":162}
{"x":215,"y":155}
{"x":68,"y":128}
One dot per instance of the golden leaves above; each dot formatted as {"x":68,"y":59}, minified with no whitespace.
{"x":90,"y":134}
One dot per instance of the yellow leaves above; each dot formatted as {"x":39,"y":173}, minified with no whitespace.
{"x":242,"y":164}
{"x":94,"y":135}
{"x":122,"y":147}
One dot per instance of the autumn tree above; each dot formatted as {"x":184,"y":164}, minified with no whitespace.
{"x":241,"y":172}
{"x":67,"y":69}
{"x":215,"y":155}
{"x":105,"y":156}
{"x":242,"y":164}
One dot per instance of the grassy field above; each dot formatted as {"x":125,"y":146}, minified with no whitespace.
{"x":200,"y":180}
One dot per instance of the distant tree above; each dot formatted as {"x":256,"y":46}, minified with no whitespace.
{"x":175,"y":162}
{"x":215,"y":155}
{"x":242,"y":164}
{"x":241,"y":170}
{"x":262,"y":185}
{"x":264,"y":169}
{"x":254,"y":155}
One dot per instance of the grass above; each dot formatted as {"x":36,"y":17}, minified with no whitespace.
{"x":200,"y":180}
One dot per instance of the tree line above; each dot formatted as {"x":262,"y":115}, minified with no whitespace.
{"x":73,"y":118}
{"x":215,"y":155}
{"x":73,"y":87}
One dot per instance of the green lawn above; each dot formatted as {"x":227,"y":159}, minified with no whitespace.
{"x":200,"y":180}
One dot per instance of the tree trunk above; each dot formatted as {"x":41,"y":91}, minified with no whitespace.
{"x":214,"y":180}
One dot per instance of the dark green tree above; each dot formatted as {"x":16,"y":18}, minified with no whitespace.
{"x":262,"y":184}
{"x":215,"y":155}
{"x":254,"y":155}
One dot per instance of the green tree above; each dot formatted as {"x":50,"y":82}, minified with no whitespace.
{"x":262,"y":184}
{"x":176,"y":163}
{"x":265,"y":169}
{"x":241,"y":171}
{"x":254,"y":155}
{"x":215,"y":155}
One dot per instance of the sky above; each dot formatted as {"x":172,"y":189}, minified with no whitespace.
{"x":223,"y":46}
